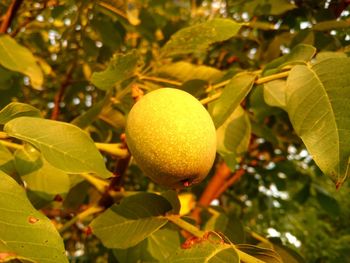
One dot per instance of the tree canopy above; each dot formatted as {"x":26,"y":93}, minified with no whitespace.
{"x":274,"y":75}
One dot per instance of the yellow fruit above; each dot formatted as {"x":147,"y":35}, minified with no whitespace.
{"x":171,"y":137}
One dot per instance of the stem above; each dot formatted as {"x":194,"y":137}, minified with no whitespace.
{"x":224,"y":83}
{"x":10,"y":14}
{"x":221,"y":174}
{"x":12,"y":145}
{"x":238,"y":174}
{"x":90,"y":211}
{"x":99,"y":184}
{"x":59,"y":96}
{"x":114,"y":149}
{"x":185,"y":225}
{"x":29,"y":19}
{"x":157,"y":79}
{"x":272,"y":77}
{"x":3,"y":135}
{"x":211,"y":98}
{"x":114,"y":10}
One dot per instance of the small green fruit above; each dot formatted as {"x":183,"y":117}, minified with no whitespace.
{"x":172,"y":137}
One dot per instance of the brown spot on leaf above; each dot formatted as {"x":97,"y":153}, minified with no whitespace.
{"x":32,"y":219}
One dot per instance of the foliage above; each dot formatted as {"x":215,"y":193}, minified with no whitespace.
{"x":274,"y":75}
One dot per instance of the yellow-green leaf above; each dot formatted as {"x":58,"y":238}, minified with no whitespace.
{"x":199,"y":37}
{"x":24,"y":231}
{"x":63,"y":145}
{"x":318,"y":106}
{"x":18,"y":58}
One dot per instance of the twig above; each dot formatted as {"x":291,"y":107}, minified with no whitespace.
{"x":3,"y":135}
{"x":220,"y":176}
{"x":59,"y":96}
{"x":224,"y":83}
{"x":11,"y":145}
{"x":121,"y":167}
{"x":157,"y":79}
{"x":211,"y":98}
{"x":99,"y":184}
{"x":185,"y":225}
{"x":114,"y":10}
{"x":9,"y":15}
{"x":272,"y":77}
{"x":28,"y":20}
{"x":90,"y":211}
{"x":238,"y":174}
{"x":115,"y":149}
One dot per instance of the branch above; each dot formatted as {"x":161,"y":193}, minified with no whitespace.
{"x":59,"y":96}
{"x":9,"y":15}
{"x":29,"y":19}
{"x":220,"y":176}
{"x":122,"y":163}
{"x":237,"y":175}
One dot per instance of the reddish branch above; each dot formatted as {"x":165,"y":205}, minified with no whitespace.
{"x":218,"y":184}
{"x":59,"y":96}
{"x":9,"y":15}
{"x":122,"y":164}
{"x":28,"y":20}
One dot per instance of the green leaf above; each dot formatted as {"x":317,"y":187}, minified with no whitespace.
{"x":6,"y":255}
{"x":227,"y":224}
{"x":299,"y":54}
{"x":137,"y":253}
{"x":17,"y":109}
{"x":287,"y":254}
{"x":234,"y":92}
{"x":130,"y":222}
{"x":25,"y":231}
{"x":6,"y":160}
{"x":206,"y":252}
{"x":120,"y":68}
{"x":327,"y":201}
{"x":199,"y":37}
{"x":173,"y":199}
{"x":184,"y":71}
{"x":85,"y":119}
{"x":39,"y":175}
{"x":18,"y":58}
{"x":233,"y":136}
{"x":328,"y":54}
{"x":318,"y":107}
{"x":264,"y":254}
{"x":331,"y":25}
{"x":275,"y":93}
{"x":163,"y":243}
{"x":63,"y":145}
{"x":260,"y":129}
{"x":264,"y":7}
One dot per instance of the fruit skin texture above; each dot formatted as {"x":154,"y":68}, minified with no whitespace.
{"x":171,"y":137}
